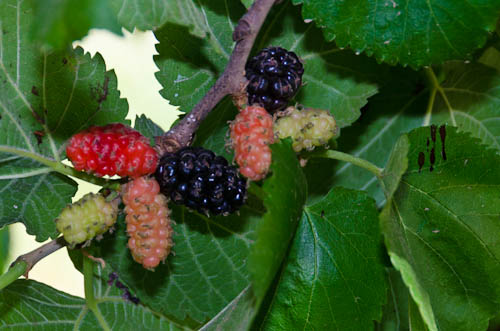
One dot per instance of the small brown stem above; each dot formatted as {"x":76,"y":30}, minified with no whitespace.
{"x":95,"y":259}
{"x":232,"y":80}
{"x":36,"y":255}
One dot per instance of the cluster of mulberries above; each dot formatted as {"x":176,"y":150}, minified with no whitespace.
{"x":114,"y":149}
{"x":148,"y":221}
{"x":90,"y":216}
{"x":197,"y":178}
{"x":275,"y":76}
{"x":307,"y":127}
{"x":251,"y":133}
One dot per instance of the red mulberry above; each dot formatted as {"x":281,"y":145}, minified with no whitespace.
{"x":114,"y":149}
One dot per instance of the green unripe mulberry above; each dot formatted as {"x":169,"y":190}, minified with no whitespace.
{"x":307,"y":127}
{"x":90,"y":216}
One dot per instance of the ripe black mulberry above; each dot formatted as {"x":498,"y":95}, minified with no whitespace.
{"x":197,"y":178}
{"x":275,"y":76}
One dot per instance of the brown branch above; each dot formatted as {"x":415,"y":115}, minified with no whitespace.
{"x":36,"y":255}
{"x":232,"y":80}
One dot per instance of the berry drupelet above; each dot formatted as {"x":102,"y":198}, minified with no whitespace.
{"x":87,"y":218}
{"x":113,"y":149}
{"x":197,"y":178}
{"x":275,"y":76}
{"x":148,"y":222}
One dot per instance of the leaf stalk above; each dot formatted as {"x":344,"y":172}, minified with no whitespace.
{"x":88,"y":278}
{"x":337,"y":155}
{"x":14,"y":272}
{"x":436,"y":86}
{"x":24,"y":263}
{"x":62,"y":168}
{"x":232,"y":81}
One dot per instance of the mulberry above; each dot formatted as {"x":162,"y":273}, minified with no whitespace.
{"x":275,"y":76}
{"x":307,"y":127}
{"x":91,"y":216}
{"x":148,"y":222}
{"x":114,"y":149}
{"x":251,"y":133}
{"x":195,"y":177}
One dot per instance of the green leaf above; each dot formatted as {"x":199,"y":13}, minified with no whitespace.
{"x":237,"y":315}
{"x":4,"y":248}
{"x":334,"y":80}
{"x":144,"y":15}
{"x":284,"y":200}
{"x":400,"y":312}
{"x":399,"y":107}
{"x":35,"y":201}
{"x":396,"y":166}
{"x":206,"y":273}
{"x":44,"y":99}
{"x":189,"y":64}
{"x":416,"y":321}
{"x":395,"y":314}
{"x":334,"y":278}
{"x":442,"y":231}
{"x":26,"y":304}
{"x":473,"y":93}
{"x":147,"y":127}
{"x":58,"y":23}
{"x":407,"y":32}
{"x":247,"y":3}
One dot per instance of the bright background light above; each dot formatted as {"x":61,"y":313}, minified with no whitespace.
{"x":131,"y":57}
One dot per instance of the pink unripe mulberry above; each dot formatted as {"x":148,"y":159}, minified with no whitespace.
{"x":251,"y":133}
{"x":148,"y":222}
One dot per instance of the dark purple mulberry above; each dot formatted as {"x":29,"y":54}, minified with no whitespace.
{"x":197,"y":178}
{"x":275,"y":76}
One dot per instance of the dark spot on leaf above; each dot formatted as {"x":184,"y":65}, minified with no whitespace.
{"x":322,"y":213}
{"x":125,"y":292}
{"x":34,"y":90}
{"x":100,"y":93}
{"x":433,"y":133}
{"x":421,"y":161}
{"x":112,"y":277}
{"x":433,"y":158}
{"x":442,"y":135}
{"x":120,"y":285}
{"x":64,"y":60}
{"x":39,"y":135}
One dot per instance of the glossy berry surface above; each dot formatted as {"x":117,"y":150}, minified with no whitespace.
{"x":197,"y":178}
{"x":87,"y":218}
{"x":251,"y":133}
{"x":275,"y":76}
{"x":114,"y":149}
{"x":308,"y":128}
{"x":148,"y":222}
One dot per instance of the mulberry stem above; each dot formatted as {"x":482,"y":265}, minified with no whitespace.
{"x":232,"y":80}
{"x":14,"y":272}
{"x":25,"y":263}
{"x":336,"y":155}
{"x":62,"y":168}
{"x":88,"y":276}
